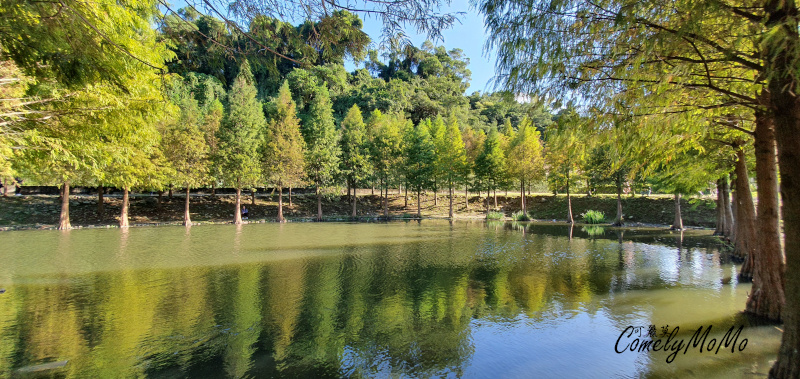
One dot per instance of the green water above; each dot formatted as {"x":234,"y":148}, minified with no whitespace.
{"x":401,"y":299}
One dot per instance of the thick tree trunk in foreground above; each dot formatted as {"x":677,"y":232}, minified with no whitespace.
{"x":100,"y":201}
{"x":187,"y":219}
{"x":766,"y":296}
{"x":618,"y":220}
{"x":237,"y":211}
{"x":319,"y":204}
{"x":782,"y":16}
{"x":123,"y":217}
{"x":451,"y":201}
{"x":678,"y":223}
{"x":744,"y":246}
{"x":63,"y":221}
{"x":280,"y":203}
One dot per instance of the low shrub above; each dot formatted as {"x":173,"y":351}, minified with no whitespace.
{"x":495,"y":216}
{"x":520,"y":216}
{"x":593,"y":217}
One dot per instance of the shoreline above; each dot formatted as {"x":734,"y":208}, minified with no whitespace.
{"x":41,"y":212}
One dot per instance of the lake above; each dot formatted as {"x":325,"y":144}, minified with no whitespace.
{"x":399,"y":299}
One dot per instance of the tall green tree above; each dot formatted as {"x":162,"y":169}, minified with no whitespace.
{"x":322,"y":153}
{"x":490,"y":166}
{"x":452,"y":159}
{"x":239,"y":137}
{"x":525,"y":160}
{"x":355,"y":151}
{"x":420,"y":153}
{"x":386,"y":149}
{"x":283,"y":146}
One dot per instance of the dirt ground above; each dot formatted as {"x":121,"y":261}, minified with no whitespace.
{"x":42,"y":211}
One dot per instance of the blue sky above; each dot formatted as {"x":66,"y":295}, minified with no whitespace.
{"x":468,"y":36}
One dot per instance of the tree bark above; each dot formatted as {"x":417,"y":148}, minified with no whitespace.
{"x":419,"y":203}
{"x":522,"y":196}
{"x":253,"y":196}
{"x":123,"y":217}
{"x":451,"y":201}
{"x":767,"y":296}
{"x":727,"y":204}
{"x":406,"y":206}
{"x":63,"y":222}
{"x":170,"y":192}
{"x":187,"y":219}
{"x":386,"y":204}
{"x":436,"y":198}
{"x":319,"y":204}
{"x":237,"y":211}
{"x":618,"y":220}
{"x":100,"y":201}
{"x":495,"y":198}
{"x":355,"y":200}
{"x":720,"y":204}
{"x":280,"y":202}
{"x":214,"y":189}
{"x":290,"y":196}
{"x":570,"y":219}
{"x":744,"y":246}
{"x":678,"y":223}
{"x":782,"y":16}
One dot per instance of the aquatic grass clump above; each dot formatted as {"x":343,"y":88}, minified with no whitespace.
{"x":593,"y":217}
{"x":520,"y":216}
{"x":594,"y":230}
{"x":495,"y":216}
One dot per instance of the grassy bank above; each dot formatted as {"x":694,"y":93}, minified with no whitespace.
{"x":42,"y":211}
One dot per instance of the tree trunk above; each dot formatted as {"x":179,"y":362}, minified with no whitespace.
{"x":522,"y":196}
{"x":727,"y":204}
{"x":570,"y":219}
{"x":290,"y":196}
{"x":436,"y":198}
{"x":253,"y":196}
{"x":495,"y":198}
{"x":678,"y":223}
{"x":214,"y":189}
{"x":406,"y":206}
{"x":123,"y":217}
{"x":487,"y":203}
{"x":744,"y":245}
{"x":766,"y":296}
{"x":348,"y":190}
{"x":187,"y":219}
{"x":373,"y":188}
{"x":720,"y":204}
{"x":466,"y":197}
{"x":280,"y":202}
{"x":782,"y":16}
{"x":100,"y":201}
{"x":63,"y":222}
{"x":5,"y":188}
{"x":170,"y":192}
{"x":619,"y":221}
{"x":319,"y":204}
{"x":237,"y":211}
{"x":419,"y":203}
{"x":451,"y":201}
{"x":355,"y":200}
{"x":386,"y":204}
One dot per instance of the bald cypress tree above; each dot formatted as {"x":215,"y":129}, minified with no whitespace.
{"x":322,"y":153}
{"x":239,"y":136}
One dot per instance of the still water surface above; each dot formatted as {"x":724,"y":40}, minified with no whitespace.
{"x":403,"y":299}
